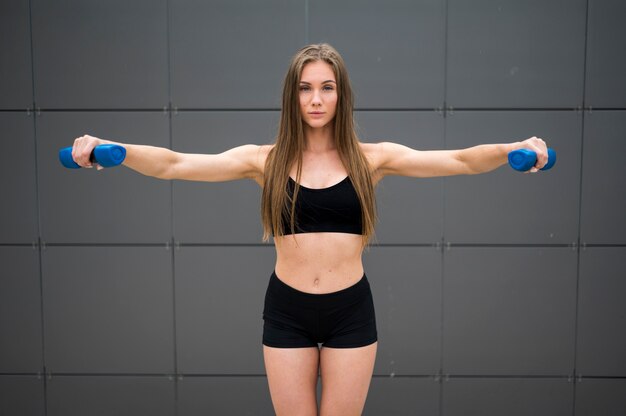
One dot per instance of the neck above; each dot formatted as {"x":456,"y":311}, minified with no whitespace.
{"x":320,"y":139}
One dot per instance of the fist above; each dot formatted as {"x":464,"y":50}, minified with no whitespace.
{"x":538,"y":146}
{"x":82,"y":148}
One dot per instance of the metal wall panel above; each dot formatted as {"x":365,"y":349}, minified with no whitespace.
{"x":394,"y":51}
{"x":511,"y":397}
{"x":601,"y":344}
{"x":509,"y":311}
{"x":410,"y":210}
{"x":22,"y":396}
{"x":406,"y":285}
{"x":200,"y":396}
{"x":507,"y":206}
{"x":402,"y":396}
{"x":112,"y":307}
{"x":18,"y":210}
{"x":108,"y":310}
{"x":90,"y":54}
{"x":603,"y":205}
{"x":606,"y":397}
{"x":516,"y":54}
{"x":227,"y":212}
{"x":227,"y":54}
{"x":111,"y":395}
{"x":219,"y":305}
{"x":605,"y":85}
{"x":20,"y":311}
{"x":114,"y":205}
{"x":16,"y":83}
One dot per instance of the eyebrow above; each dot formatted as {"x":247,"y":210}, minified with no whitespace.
{"x":308,"y":83}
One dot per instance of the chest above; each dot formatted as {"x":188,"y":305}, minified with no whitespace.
{"x":320,"y":172}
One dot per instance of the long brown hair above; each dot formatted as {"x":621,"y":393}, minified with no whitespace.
{"x":276,"y":204}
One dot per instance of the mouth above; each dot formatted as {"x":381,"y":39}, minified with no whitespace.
{"x":316,"y":112}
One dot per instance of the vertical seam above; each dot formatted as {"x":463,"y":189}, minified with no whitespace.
{"x":168,"y":28}
{"x":38,"y":209}
{"x":580,"y":200}
{"x":443,"y":209}
{"x":306,"y":21}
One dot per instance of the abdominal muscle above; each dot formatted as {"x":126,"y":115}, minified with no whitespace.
{"x":319,"y":262}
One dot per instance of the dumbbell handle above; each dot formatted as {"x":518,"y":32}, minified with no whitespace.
{"x":524,"y":159}
{"x":106,"y":155}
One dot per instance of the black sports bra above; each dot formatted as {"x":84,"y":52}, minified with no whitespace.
{"x":335,"y":209}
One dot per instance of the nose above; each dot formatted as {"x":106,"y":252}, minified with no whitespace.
{"x":316,"y":100}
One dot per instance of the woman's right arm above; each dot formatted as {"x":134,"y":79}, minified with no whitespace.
{"x":241,"y":162}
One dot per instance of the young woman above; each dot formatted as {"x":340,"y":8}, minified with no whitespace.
{"x":318,"y":204}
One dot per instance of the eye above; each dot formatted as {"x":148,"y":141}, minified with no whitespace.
{"x":328,"y":88}
{"x":305,"y":88}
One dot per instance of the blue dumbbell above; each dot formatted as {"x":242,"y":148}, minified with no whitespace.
{"x":524,"y":159}
{"x":106,"y":155}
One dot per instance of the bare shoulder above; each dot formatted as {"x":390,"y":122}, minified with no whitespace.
{"x":261,"y":152}
{"x":259,"y":155}
{"x":388,"y":158}
{"x":373,"y":152}
{"x":376,"y":153}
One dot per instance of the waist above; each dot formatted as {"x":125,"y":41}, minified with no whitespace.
{"x":319,"y":262}
{"x":354,"y":292}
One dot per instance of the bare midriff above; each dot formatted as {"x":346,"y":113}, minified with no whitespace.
{"x":319,"y":262}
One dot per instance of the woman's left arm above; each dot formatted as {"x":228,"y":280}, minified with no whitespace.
{"x":396,"y":159}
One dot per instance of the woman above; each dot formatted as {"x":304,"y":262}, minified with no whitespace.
{"x":318,"y":203}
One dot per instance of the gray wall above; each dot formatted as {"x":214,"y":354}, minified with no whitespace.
{"x":498,"y":294}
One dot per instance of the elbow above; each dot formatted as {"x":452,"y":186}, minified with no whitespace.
{"x":167,"y":170}
{"x":465,"y":165}
{"x":164,"y":176}
{"x":473,"y":169}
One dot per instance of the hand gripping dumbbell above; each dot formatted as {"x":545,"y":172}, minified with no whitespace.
{"x":524,"y":159}
{"x":105,"y":155}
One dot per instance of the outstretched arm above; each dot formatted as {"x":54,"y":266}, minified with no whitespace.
{"x":396,"y":159}
{"x":237,"y":163}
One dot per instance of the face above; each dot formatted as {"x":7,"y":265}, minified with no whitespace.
{"x":318,"y":94}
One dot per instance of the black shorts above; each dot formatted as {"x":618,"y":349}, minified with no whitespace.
{"x":295,"y":319}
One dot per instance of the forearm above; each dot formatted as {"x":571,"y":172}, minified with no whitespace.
{"x":148,"y":160}
{"x":486,"y":157}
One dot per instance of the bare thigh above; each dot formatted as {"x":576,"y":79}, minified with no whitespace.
{"x":346,"y":375}
{"x":292,"y":375}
